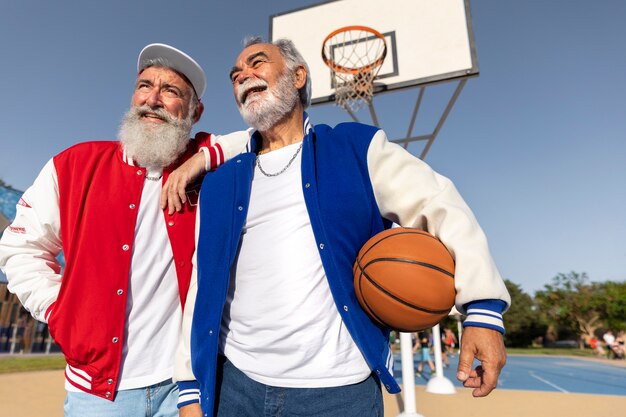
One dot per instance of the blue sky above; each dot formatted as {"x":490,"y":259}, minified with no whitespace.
{"x":536,"y":144}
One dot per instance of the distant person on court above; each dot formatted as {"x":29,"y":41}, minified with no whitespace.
{"x":449,"y":340}
{"x":115,"y":310}
{"x":276,"y":327}
{"x":620,"y":341}
{"x":422,"y":348}
{"x":609,"y":341}
{"x":614,"y":344}
{"x":444,"y":353}
{"x":596,"y":346}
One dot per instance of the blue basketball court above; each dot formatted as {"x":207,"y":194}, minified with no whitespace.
{"x":545,"y":373}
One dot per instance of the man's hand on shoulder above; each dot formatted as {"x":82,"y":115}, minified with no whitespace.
{"x":487,"y":346}
{"x":191,"y":410}
{"x":173,"y":195}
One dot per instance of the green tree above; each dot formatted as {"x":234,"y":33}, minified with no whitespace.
{"x":572,"y":303}
{"x":613,"y":305}
{"x":522,"y":319}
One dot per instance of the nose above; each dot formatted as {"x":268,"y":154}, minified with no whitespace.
{"x":153,"y":98}
{"x":243,"y":75}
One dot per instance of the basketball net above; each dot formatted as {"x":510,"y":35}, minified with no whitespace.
{"x":354,"y":55}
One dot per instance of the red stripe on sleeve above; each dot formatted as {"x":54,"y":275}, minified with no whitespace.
{"x":220,"y":152}
{"x":213,"y":162}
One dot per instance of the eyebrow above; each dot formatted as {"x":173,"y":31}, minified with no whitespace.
{"x":248,"y":61}
{"x":143,"y":81}
{"x":180,"y":91}
{"x":164,"y":85}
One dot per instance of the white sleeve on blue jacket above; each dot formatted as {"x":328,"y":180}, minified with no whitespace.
{"x":409,"y":193}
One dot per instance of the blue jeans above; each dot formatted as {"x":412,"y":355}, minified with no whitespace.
{"x":157,"y":400}
{"x":240,"y":396}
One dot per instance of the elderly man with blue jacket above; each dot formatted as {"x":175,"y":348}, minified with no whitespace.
{"x":272,"y":325}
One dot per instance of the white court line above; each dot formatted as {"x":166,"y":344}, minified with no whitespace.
{"x":545,"y":381}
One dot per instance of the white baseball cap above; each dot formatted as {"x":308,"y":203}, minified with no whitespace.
{"x":177,"y":60}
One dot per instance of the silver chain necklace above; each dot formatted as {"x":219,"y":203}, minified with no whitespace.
{"x":293,"y":158}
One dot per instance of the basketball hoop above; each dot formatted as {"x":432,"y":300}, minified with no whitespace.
{"x":354,"y":55}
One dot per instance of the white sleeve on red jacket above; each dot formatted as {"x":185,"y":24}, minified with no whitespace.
{"x":409,"y":193}
{"x":30,"y":245}
{"x":189,"y":390}
{"x":225,"y":147}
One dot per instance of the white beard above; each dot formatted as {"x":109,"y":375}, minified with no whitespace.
{"x":268,"y":108}
{"x":154,"y":145}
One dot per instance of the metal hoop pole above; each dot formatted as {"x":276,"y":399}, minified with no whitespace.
{"x":370,"y":105}
{"x":351,"y":113}
{"x":439,"y":384}
{"x":418,"y":104}
{"x":408,"y":376}
{"x":455,"y":95}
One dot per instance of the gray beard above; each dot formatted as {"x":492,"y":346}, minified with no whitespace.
{"x":264,"y":113}
{"x":151,"y":145}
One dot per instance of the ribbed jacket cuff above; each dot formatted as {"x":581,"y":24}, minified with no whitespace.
{"x":188,"y":393}
{"x":213,"y":156}
{"x":485,"y":313}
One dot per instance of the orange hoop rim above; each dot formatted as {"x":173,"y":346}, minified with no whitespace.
{"x":354,"y":70}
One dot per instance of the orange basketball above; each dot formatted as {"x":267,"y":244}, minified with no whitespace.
{"x":404,"y":279}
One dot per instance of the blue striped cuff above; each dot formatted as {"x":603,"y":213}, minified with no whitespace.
{"x":188,"y":393}
{"x":485,"y":313}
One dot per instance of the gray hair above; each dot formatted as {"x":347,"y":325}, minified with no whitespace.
{"x":161,"y":62}
{"x":293,"y":59}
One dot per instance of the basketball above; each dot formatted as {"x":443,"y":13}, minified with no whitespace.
{"x":404,"y":279}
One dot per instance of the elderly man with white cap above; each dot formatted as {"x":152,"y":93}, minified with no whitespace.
{"x":115,"y":309}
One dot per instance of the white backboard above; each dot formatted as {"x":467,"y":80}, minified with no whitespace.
{"x":427,"y":40}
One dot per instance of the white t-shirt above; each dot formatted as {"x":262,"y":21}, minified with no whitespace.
{"x":281,"y":326}
{"x":609,"y":339}
{"x":153,"y":311}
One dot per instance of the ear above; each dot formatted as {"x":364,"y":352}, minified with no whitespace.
{"x":198,"y":113}
{"x":300,"y":77}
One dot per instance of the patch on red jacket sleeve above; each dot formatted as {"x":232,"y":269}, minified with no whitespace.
{"x":192,"y":197}
{"x":23,"y":203}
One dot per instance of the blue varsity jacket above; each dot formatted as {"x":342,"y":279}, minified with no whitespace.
{"x":344,"y":214}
